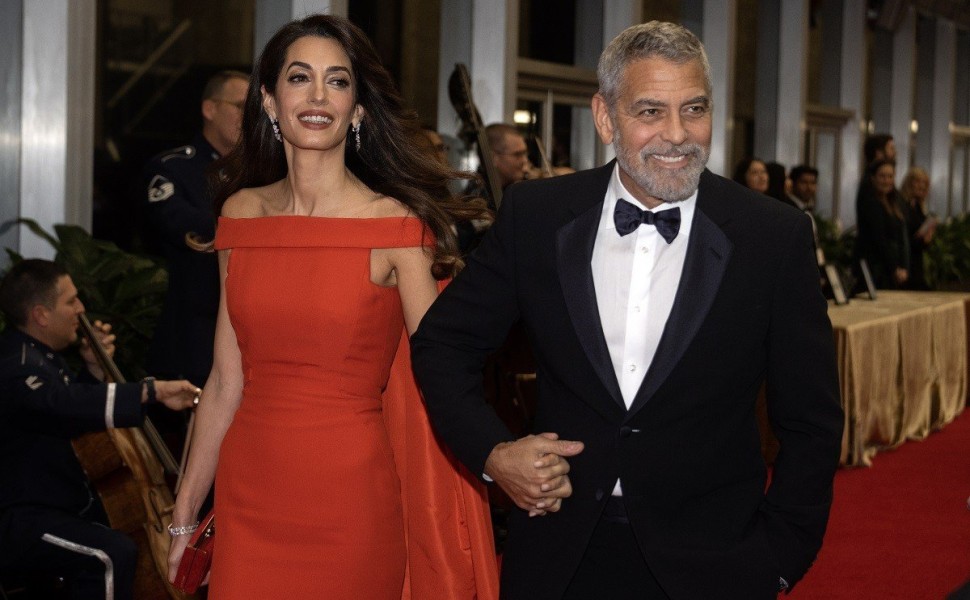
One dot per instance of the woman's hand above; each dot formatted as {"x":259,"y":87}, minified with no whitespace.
{"x":175,"y":552}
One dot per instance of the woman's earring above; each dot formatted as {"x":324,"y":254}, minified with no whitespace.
{"x":276,"y":129}
{"x":356,"y":129}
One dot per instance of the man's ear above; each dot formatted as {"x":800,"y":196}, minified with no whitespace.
{"x":269,"y":103}
{"x":209,"y":109}
{"x":40,"y":315}
{"x":602,"y":119}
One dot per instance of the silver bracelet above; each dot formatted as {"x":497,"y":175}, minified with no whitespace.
{"x":183,"y":530}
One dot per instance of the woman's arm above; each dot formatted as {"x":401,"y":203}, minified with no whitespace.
{"x":217,"y":406}
{"x":418,"y":289}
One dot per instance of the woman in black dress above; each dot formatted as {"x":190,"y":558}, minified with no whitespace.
{"x":883,"y":240}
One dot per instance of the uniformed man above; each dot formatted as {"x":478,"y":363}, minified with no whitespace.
{"x":510,"y":164}
{"x":179,"y":203}
{"x":510,"y":160}
{"x":51,"y":522}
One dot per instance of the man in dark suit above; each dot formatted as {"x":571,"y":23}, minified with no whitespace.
{"x":658,"y":298}
{"x":804,"y":186}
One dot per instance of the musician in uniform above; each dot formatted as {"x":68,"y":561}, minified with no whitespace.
{"x":52,"y":522}
{"x":179,"y":203}
{"x":510,"y":160}
{"x":509,"y":164}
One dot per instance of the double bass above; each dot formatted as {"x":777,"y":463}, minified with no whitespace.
{"x":127,"y":467}
{"x":472,"y":131}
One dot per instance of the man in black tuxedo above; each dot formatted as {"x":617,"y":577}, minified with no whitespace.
{"x":658,"y":298}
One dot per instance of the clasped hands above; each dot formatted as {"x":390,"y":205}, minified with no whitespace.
{"x":533,"y":471}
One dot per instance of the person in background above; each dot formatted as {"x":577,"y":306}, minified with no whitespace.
{"x":883,"y":240}
{"x":179,"y":202}
{"x":804,"y":187}
{"x":510,"y":163}
{"x":879,"y":146}
{"x":779,"y":186}
{"x":52,"y":522}
{"x":510,"y":155}
{"x":920,"y":223}
{"x":752,"y":174}
{"x":436,"y":145}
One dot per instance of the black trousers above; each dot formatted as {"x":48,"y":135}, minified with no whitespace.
{"x":613,"y":566}
{"x":37,"y":542}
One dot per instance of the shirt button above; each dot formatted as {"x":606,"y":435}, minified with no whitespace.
{"x":644,"y":249}
{"x":633,"y":368}
{"x":636,"y":308}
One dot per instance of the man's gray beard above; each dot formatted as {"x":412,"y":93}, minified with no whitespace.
{"x":665,"y":185}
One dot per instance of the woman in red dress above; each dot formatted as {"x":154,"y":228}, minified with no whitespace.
{"x":335,"y":230}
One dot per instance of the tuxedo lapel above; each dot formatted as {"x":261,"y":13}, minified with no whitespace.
{"x":708,"y":251}
{"x":574,"y":251}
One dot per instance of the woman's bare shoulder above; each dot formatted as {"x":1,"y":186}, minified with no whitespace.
{"x":248,"y":203}
{"x":385,"y":206}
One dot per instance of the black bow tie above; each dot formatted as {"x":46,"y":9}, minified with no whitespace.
{"x":628,"y":218}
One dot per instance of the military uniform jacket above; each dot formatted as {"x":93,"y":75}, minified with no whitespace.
{"x":42,"y":407}
{"x":179,"y":202}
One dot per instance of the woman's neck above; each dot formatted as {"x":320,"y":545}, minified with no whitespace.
{"x":319,"y":184}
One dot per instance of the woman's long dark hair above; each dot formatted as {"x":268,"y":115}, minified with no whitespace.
{"x":891,"y":201}
{"x":776,"y":181}
{"x":389,"y":161}
{"x":741,"y":169}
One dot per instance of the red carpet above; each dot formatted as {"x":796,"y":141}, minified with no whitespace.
{"x":900,"y":529}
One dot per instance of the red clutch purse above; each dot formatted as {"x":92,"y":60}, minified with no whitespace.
{"x":197,"y":558}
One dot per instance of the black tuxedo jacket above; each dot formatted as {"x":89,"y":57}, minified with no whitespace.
{"x":748,"y":310}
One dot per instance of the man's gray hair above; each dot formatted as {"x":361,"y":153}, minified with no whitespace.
{"x":668,"y":41}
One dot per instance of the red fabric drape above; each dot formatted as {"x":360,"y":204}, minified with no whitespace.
{"x":451,"y":551}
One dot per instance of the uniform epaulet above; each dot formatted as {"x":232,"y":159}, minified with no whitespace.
{"x":187,"y":151}
{"x":32,"y":355}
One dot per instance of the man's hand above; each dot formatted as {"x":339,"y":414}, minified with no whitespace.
{"x":107,"y":340}
{"x":533,"y":471}
{"x":177,"y":395}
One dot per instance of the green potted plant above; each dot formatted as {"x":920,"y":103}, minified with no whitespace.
{"x":947,"y":259}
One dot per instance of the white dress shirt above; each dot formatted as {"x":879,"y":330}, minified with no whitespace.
{"x":636,"y":278}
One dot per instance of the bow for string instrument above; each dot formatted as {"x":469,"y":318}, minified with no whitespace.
{"x":127,"y":468}
{"x":546,"y":165}
{"x":472,"y":131}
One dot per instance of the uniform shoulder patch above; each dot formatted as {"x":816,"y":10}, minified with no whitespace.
{"x":34,"y":382}
{"x":181,"y":152}
{"x":160,"y":188}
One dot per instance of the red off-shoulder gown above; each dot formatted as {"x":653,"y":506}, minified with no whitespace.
{"x":330,"y":481}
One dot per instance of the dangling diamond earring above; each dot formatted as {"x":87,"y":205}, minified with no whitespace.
{"x":276,"y":129}
{"x":356,"y":129}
